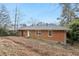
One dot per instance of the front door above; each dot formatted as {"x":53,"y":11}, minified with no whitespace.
{"x":28,"y":33}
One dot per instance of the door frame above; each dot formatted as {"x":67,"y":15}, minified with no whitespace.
{"x":28,"y":33}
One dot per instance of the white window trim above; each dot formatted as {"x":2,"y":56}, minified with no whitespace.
{"x":48,"y":33}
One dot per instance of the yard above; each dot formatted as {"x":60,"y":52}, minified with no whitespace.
{"x":13,"y":46}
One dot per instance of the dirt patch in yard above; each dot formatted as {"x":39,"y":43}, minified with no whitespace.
{"x":12,"y":45}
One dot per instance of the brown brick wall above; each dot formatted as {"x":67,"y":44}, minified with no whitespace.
{"x":56,"y":35}
{"x":22,"y":33}
{"x":59,"y":35}
{"x":32,"y":34}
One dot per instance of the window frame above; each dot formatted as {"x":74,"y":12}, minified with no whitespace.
{"x":49,"y":33}
{"x":38,"y":33}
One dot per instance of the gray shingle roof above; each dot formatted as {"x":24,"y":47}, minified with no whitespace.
{"x":43,"y":28}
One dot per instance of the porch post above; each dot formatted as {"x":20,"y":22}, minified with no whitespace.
{"x":65,"y":39}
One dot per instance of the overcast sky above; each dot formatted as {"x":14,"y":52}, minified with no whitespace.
{"x":30,"y":12}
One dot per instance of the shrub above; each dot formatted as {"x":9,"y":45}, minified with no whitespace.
{"x":5,"y":32}
{"x":73,"y":34}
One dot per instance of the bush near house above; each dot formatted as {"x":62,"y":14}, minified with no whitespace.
{"x":12,"y":33}
{"x":5,"y":32}
{"x":73,"y":34}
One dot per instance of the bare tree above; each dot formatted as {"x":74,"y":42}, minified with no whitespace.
{"x":17,"y":18}
{"x":4,"y":17}
{"x":67,"y":13}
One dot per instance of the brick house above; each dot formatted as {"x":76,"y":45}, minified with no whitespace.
{"x":56,"y":33}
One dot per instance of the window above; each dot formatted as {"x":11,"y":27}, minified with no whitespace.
{"x":49,"y":33}
{"x":38,"y":33}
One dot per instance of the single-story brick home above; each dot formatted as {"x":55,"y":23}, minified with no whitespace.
{"x":56,"y":33}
